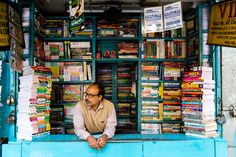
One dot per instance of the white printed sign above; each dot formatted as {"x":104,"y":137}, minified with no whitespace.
{"x":153,"y":20}
{"x":173,"y":16}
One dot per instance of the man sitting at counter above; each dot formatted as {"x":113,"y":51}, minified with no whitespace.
{"x":95,"y":115}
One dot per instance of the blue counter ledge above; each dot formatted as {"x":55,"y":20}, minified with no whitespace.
{"x":121,"y":145}
{"x":121,"y":137}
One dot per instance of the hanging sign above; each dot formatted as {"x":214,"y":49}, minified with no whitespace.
{"x":15,"y":26}
{"x":153,"y":20}
{"x":11,"y":33}
{"x":173,"y":16}
{"x":76,"y":16}
{"x":222,"y":25}
{"x":4,"y":35}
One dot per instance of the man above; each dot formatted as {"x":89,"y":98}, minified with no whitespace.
{"x":95,"y":115}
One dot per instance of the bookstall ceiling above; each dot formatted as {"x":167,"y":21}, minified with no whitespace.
{"x":58,"y":7}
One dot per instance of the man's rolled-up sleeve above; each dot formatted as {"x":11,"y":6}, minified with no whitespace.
{"x":78,"y":121}
{"x":111,"y":124}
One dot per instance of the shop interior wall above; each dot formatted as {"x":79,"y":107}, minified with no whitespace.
{"x":229,"y":97}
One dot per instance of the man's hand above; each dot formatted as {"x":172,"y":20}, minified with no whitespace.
{"x":102,"y":140}
{"x":92,"y":142}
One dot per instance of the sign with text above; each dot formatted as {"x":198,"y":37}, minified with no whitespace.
{"x":76,"y":16}
{"x":4,"y":35}
{"x":153,"y":19}
{"x":173,"y":16}
{"x":222,"y":26}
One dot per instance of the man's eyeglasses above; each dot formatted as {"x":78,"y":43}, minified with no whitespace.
{"x":90,"y":95}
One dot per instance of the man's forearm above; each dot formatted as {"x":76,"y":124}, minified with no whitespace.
{"x":82,"y":134}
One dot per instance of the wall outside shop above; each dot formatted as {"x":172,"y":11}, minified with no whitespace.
{"x":229,"y":97}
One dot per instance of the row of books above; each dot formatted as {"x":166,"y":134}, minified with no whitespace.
{"x":165,"y":128}
{"x":125,"y":28}
{"x":66,"y":93}
{"x":70,"y":71}
{"x":170,"y":71}
{"x":62,"y":50}
{"x":56,"y":28}
{"x":160,"y":48}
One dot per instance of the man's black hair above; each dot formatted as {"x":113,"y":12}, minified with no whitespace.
{"x":100,"y":88}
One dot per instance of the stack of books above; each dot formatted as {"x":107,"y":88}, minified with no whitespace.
{"x":151,"y":111}
{"x":25,"y":17}
{"x":53,"y":50}
{"x":150,"y":128}
{"x":198,"y":106}
{"x":128,"y":28}
{"x":150,"y":71}
{"x":172,"y":71}
{"x":34,"y":103}
{"x":127,"y":50}
{"x":53,"y":28}
{"x":104,"y":74}
{"x":80,"y":50}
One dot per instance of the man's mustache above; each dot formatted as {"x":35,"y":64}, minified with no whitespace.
{"x":87,"y":101}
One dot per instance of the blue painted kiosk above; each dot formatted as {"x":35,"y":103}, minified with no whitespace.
{"x":121,"y":145}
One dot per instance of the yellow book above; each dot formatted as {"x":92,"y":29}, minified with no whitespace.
{"x":85,"y":70}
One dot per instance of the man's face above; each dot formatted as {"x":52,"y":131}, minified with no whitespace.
{"x":91,"y":97}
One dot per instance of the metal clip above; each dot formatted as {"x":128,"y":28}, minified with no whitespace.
{"x":10,"y":100}
{"x":232,"y":111}
{"x":11,"y":118}
{"x":220,"y":119}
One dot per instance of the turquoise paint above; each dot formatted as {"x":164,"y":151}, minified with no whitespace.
{"x":11,"y":150}
{"x":8,"y":86}
{"x":122,"y":137}
{"x":189,"y":148}
{"x":221,"y":148}
{"x":133,"y":145}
